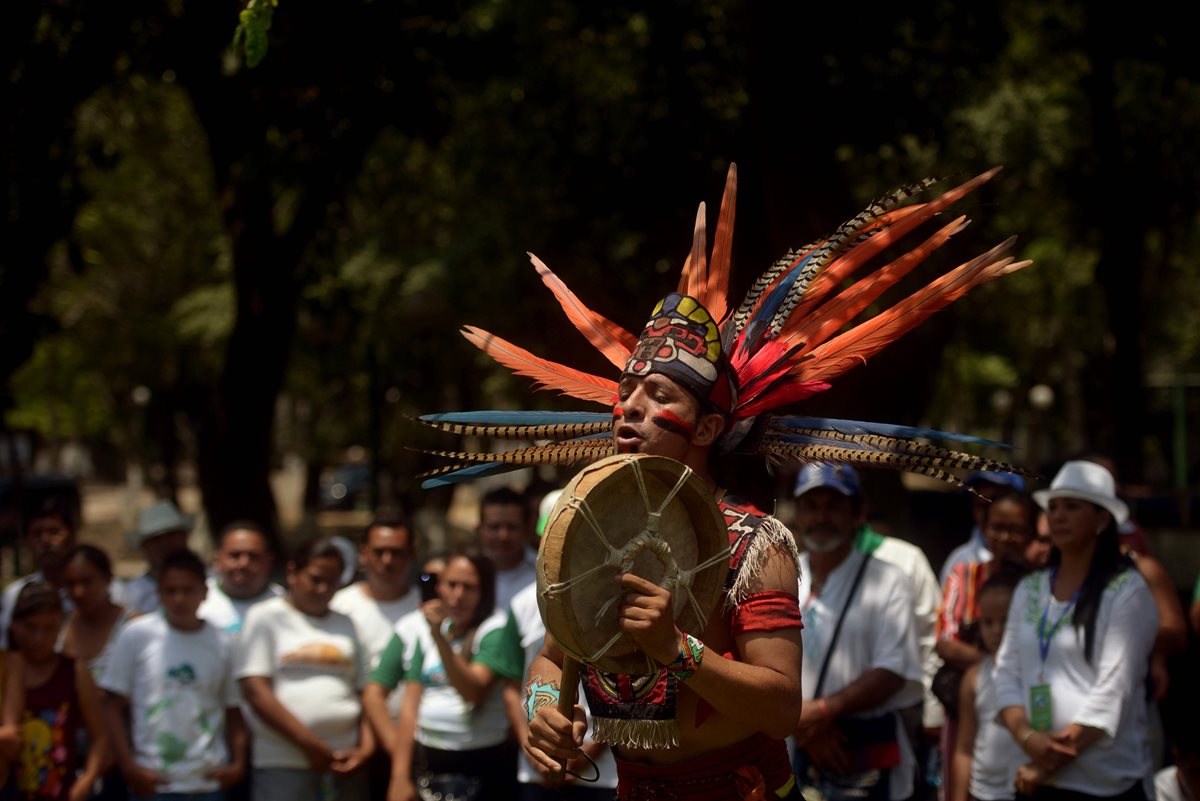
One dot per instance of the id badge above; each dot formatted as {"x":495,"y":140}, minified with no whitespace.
{"x":1041,"y":710}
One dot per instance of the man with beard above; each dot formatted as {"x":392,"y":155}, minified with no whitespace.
{"x":50,"y":530}
{"x":736,"y":685}
{"x":861,"y":664}
{"x":705,"y":383}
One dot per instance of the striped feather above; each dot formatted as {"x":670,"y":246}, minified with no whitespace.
{"x":898,"y":229}
{"x":563,"y":453}
{"x":944,"y":457}
{"x":555,"y":431}
{"x":778,"y":455}
{"x":516,"y":418}
{"x":613,"y":341}
{"x":782,"y":425}
{"x":548,"y":374}
{"x":458,"y":473}
{"x":846,"y":234}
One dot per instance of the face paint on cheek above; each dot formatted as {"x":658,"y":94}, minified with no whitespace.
{"x":618,"y":412}
{"x":669,"y":421}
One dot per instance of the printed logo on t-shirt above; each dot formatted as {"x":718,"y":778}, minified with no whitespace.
{"x":321,"y":655}
{"x":184,"y":674}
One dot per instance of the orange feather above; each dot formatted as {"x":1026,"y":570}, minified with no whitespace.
{"x":716,"y":293}
{"x":548,"y":374}
{"x":855,"y":346}
{"x":854,"y":259}
{"x":606,"y":336}
{"x":832,"y":315}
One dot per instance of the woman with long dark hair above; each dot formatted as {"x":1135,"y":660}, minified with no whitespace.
{"x":1070,"y":675}
{"x":452,"y":735}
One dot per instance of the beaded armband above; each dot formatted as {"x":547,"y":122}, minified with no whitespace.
{"x":691,"y":651}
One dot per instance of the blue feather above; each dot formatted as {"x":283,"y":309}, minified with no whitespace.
{"x":762,"y":317}
{"x":469,"y":474}
{"x":510,"y":418}
{"x":881,"y":429}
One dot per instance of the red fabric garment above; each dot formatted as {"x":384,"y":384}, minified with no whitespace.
{"x":46,"y":769}
{"x":747,"y":771}
{"x":769,"y":610}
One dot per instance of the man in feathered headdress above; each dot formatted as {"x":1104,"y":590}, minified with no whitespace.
{"x":737,"y":683}
{"x":701,"y":384}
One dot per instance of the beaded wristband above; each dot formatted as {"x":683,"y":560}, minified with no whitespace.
{"x":691,"y":651}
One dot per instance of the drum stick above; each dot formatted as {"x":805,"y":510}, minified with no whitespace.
{"x":568,"y":689}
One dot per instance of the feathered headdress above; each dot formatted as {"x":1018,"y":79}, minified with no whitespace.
{"x":785,"y":341}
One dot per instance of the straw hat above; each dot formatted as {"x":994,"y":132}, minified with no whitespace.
{"x":1086,"y":481}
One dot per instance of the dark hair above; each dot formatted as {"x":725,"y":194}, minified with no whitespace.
{"x":1020,"y":498}
{"x":186,"y":561}
{"x":246,"y":525}
{"x":392,"y":518}
{"x":317,"y":548}
{"x":49,"y":506}
{"x":505,"y":496}
{"x":94,"y":556}
{"x":387,"y":518}
{"x":487,"y":583}
{"x":36,"y":596}
{"x":1006,"y":578}
{"x":1107,"y":563}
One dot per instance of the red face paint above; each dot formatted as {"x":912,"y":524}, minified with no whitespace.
{"x":669,"y":421}
{"x":618,"y":412}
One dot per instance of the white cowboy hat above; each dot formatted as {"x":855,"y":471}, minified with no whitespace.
{"x":1086,"y":481}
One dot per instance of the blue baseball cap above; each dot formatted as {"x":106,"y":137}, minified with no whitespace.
{"x":838,"y":477}
{"x":1010,"y":480}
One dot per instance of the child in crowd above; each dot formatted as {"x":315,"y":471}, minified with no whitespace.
{"x":59,"y":693}
{"x":985,"y":756}
{"x":172,"y":673}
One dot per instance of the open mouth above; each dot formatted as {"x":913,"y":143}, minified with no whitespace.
{"x":627,"y":439}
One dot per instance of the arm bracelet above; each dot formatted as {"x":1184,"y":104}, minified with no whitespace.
{"x":691,"y":651}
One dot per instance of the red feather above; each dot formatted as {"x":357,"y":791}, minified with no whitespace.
{"x":548,"y":374}
{"x":606,"y":336}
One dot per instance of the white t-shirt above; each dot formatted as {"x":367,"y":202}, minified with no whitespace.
{"x":1109,"y":694}
{"x":178,"y":684}
{"x":996,"y":756}
{"x":1166,"y":786}
{"x":445,"y":720}
{"x":226,"y":612}
{"x":316,"y":668}
{"x":376,"y":623}
{"x":527,"y":619}
{"x":877,"y":633}
{"x":510,"y":582}
{"x":927,"y":598}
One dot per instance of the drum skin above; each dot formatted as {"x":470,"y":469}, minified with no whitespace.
{"x":579,"y":610}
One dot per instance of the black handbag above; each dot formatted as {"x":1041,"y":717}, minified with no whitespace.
{"x":948,"y":679}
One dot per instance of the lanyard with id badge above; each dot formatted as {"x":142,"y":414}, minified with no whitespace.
{"x":1041,"y":708}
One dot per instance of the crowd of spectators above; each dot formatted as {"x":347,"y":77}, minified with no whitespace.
{"x":1034,"y":666}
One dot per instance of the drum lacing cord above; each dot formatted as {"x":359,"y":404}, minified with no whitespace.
{"x":621,"y":559}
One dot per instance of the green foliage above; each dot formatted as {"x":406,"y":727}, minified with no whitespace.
{"x":254,"y":25}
